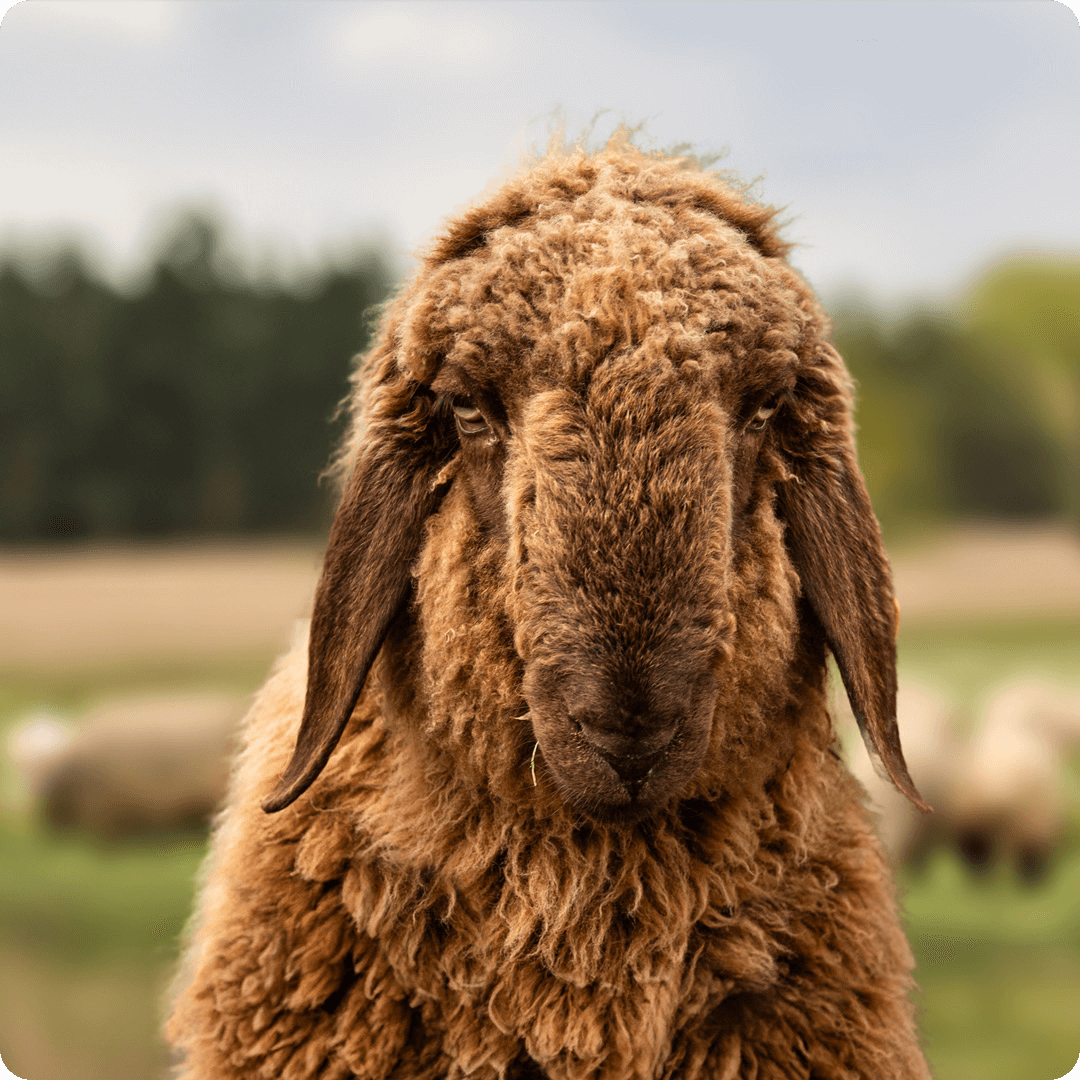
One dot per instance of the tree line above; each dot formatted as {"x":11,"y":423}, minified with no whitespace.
{"x":202,"y":403}
{"x":197,"y":404}
{"x":972,"y":411}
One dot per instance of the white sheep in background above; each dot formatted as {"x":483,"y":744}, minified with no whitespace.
{"x":1010,"y":795}
{"x":134,"y":764}
{"x":998,"y":790}
{"x":1051,"y":708}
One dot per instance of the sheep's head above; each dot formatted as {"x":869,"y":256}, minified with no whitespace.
{"x":633,"y":401}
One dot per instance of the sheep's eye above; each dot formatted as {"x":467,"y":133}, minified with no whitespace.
{"x":470,"y":420}
{"x":764,"y":415}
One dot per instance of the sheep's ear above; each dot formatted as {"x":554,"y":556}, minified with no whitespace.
{"x":396,"y":482}
{"x":836,"y":545}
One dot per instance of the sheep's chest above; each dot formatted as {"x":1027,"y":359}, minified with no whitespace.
{"x":590,"y":957}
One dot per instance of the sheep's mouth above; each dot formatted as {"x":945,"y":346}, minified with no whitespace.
{"x":626,"y":785}
{"x":625,"y":797}
{"x":616,"y":788}
{"x":611,"y":752}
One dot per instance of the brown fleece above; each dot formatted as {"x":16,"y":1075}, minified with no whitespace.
{"x":585,"y":819}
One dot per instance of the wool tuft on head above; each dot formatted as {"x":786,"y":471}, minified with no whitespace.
{"x":563,"y":799}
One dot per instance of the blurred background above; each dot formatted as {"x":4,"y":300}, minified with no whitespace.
{"x":202,"y":205}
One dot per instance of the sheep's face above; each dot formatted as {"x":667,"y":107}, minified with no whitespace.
{"x":619,"y":497}
{"x":632,"y":394}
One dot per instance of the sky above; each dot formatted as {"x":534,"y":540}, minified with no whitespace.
{"x":910,"y":144}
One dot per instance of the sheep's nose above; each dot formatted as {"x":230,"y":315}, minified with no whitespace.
{"x":633,"y":753}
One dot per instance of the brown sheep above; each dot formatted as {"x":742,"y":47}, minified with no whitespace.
{"x":564,"y":801}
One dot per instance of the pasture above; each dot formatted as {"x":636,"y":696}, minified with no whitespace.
{"x":89,"y":933}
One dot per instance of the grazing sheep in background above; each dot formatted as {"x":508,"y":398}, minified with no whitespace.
{"x":144,"y":763}
{"x":1010,"y":797}
{"x":998,"y":791}
{"x":564,"y":800}
{"x":931,"y":750}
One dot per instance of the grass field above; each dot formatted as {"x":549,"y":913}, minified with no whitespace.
{"x":88,"y":934}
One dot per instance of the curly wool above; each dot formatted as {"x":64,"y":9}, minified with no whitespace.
{"x":433,"y":907}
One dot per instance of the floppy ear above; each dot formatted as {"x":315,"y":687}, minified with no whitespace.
{"x":396,"y":482}
{"x":835,"y":543}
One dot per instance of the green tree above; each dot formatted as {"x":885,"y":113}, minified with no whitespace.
{"x":954,"y":420}
{"x":201,"y":403}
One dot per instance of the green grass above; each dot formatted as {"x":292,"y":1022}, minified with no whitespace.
{"x":79,"y":903}
{"x":88,"y":939}
{"x":998,"y":963}
{"x":81,"y":1023}
{"x":89,"y":933}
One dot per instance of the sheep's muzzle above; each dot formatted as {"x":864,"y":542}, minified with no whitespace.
{"x":620,"y":530}
{"x":621,"y":747}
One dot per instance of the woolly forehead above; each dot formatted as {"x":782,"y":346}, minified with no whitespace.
{"x":543,"y":302}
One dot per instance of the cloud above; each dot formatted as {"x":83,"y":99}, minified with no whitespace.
{"x":907,"y":140}
{"x":148,"y":22}
{"x":406,"y":35}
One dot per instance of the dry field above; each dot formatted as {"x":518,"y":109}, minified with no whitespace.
{"x":100,"y":607}
{"x":77,"y":610}
{"x":991,"y":572}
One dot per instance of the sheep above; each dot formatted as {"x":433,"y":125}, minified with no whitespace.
{"x":139,"y":763}
{"x":932,"y":748}
{"x":1010,"y":797}
{"x":998,"y":792}
{"x":554,"y":792}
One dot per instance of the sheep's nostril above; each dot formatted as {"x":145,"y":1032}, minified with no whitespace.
{"x":645,"y":740}
{"x":633,"y":757}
